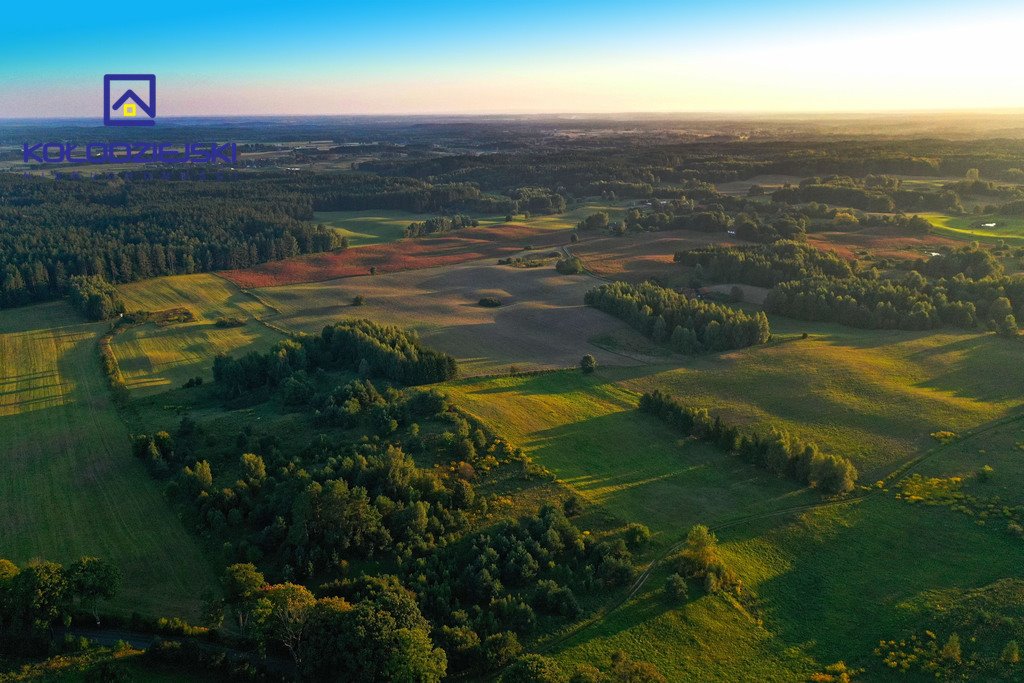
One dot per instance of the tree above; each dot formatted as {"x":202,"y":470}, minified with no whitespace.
{"x":700,"y":551}
{"x":289,"y":608}
{"x":588,"y":364}
{"x":676,"y":589}
{"x":358,"y":300}
{"x":253,"y":468}
{"x":951,"y":650}
{"x":500,"y":649}
{"x":244,"y":594}
{"x":1011,"y":653}
{"x":533,"y":669}
{"x":637,"y":535}
{"x":93,"y":579}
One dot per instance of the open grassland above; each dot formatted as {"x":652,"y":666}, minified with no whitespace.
{"x":974,"y":227}
{"x":542,"y":322}
{"x":819,"y":585}
{"x":874,"y":396}
{"x":154,"y":356}
{"x":70,"y":486}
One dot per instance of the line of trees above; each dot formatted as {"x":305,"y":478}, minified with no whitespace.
{"x":357,"y":345}
{"x":688,"y":325}
{"x":777,"y":451}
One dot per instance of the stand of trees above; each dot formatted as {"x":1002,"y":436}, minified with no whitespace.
{"x":440,"y":224}
{"x":41,"y":596}
{"x":777,"y":452}
{"x":687,"y":325}
{"x":96,"y":298}
{"x":765,"y":265}
{"x":359,"y":345}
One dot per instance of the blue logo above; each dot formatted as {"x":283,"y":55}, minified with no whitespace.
{"x":128,"y":108}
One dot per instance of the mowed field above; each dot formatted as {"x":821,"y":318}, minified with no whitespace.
{"x":70,"y":486}
{"x":542,"y":322}
{"x":153,"y":357}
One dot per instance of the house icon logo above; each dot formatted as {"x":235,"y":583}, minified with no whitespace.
{"x":122,"y":105}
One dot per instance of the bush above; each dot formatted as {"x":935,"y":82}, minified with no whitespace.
{"x":490,"y":302}
{"x":358,"y":300}
{"x":676,"y":588}
{"x":637,"y":535}
{"x":569,"y":266}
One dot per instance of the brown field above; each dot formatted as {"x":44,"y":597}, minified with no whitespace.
{"x":542,"y":322}
{"x":405,"y":254}
{"x":880,"y":242}
{"x":768,"y":182}
{"x":648,"y":255}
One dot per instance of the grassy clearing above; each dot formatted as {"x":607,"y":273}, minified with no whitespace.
{"x":71,"y":487}
{"x":154,"y":357}
{"x":587,"y":431}
{"x":874,"y":396}
{"x":368,"y":227}
{"x":974,"y":227}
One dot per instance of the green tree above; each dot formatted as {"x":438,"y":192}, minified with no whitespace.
{"x":93,"y":579}
{"x":1011,"y":653}
{"x":588,"y":364}
{"x":244,"y":595}
{"x":253,"y":468}
{"x":676,"y":589}
{"x":951,"y":650}
{"x":289,"y":608}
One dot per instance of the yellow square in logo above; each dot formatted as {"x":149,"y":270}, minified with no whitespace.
{"x":129,"y":109}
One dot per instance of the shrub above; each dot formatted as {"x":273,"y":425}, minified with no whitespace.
{"x":637,"y":535}
{"x":676,"y":589}
{"x":358,"y":300}
{"x":490,"y":301}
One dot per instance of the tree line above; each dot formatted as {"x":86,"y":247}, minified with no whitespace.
{"x":51,"y":231}
{"x":777,"y":452}
{"x":96,"y":298}
{"x":440,"y":224}
{"x":687,"y":325}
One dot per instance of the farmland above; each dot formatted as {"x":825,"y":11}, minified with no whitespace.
{"x":978,"y":228}
{"x":70,"y":486}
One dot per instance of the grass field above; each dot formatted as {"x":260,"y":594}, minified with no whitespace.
{"x":153,"y":357}
{"x":973,"y":227}
{"x":368,"y":227}
{"x":70,"y":486}
{"x":820,"y":586}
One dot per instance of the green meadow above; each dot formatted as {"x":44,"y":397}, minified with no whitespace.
{"x":70,"y":485}
{"x":976,"y":227}
{"x":155,"y":356}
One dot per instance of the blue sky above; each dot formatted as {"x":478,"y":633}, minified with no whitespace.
{"x":460,"y":57}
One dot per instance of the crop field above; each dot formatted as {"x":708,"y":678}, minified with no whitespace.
{"x":154,"y":356}
{"x":542,"y":322}
{"x":464,"y":245}
{"x":638,"y":257}
{"x":70,"y":486}
{"x":878,"y":243}
{"x":978,"y":228}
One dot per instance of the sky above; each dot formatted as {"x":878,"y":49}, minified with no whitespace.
{"x":317,"y":58}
